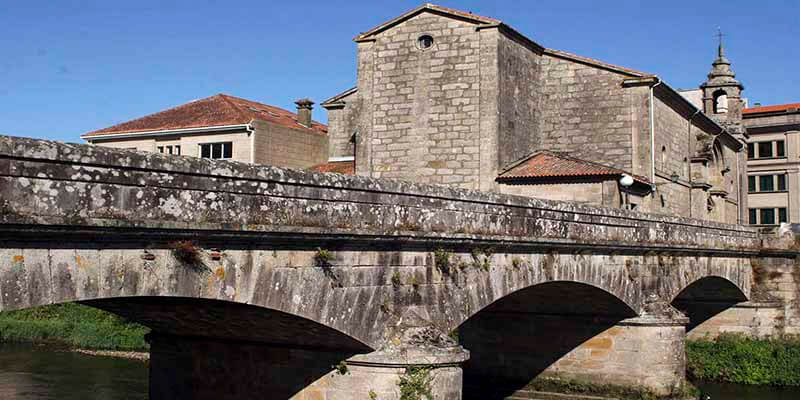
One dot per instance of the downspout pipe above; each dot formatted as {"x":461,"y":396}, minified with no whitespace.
{"x":653,"y":135}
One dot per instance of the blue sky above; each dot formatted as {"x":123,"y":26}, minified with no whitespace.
{"x":68,"y":67}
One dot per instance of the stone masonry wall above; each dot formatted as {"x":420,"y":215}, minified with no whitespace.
{"x":424,"y":113}
{"x":342,"y":125}
{"x":518,"y":104}
{"x":286,"y":147}
{"x":586,"y":112}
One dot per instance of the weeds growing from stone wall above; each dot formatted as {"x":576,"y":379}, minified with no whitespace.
{"x":517,"y":263}
{"x":415,"y":384}
{"x":481,"y":258}
{"x":341,"y":368}
{"x":396,"y":281}
{"x":322,"y":260}
{"x":188,"y":253}
{"x":441,"y":259}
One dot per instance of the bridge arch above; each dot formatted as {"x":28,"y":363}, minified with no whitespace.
{"x":534,"y":332}
{"x":706,"y":297}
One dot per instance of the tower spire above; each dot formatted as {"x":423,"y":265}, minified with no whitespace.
{"x":720,"y":49}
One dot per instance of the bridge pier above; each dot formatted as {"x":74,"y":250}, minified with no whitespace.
{"x":203,"y":368}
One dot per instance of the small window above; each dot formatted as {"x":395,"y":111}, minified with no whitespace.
{"x":751,"y":184}
{"x":780,"y":150}
{"x":169,"y":149}
{"x":766,"y":183}
{"x":767,"y":216}
{"x":782,"y":215}
{"x":425,"y":42}
{"x":751,"y":151}
{"x":177,"y":150}
{"x":781,"y":183}
{"x":216,"y":150}
{"x":764,"y":149}
{"x":753,"y":215}
{"x":160,"y":149}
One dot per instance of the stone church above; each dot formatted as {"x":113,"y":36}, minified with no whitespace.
{"x":449,"y":97}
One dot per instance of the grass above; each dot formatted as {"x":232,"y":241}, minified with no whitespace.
{"x":738,"y":359}
{"x":72,"y":325}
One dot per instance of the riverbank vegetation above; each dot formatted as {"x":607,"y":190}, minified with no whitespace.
{"x":738,"y":359}
{"x":72,"y":325}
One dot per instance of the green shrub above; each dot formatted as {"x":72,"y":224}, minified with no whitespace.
{"x":738,"y":359}
{"x":72,"y":325}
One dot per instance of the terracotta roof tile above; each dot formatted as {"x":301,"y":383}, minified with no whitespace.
{"x":774,"y":108}
{"x":546,"y":164}
{"x":218,"y":110}
{"x":339,"y":167}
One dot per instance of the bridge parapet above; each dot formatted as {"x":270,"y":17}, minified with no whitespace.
{"x":51,"y":183}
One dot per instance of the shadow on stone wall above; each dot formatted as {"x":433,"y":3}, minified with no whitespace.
{"x":516,"y":339}
{"x":705,"y":298}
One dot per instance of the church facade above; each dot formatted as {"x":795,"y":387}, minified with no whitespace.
{"x":452,"y":98}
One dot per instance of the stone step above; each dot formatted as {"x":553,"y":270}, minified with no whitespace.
{"x":536,"y":395}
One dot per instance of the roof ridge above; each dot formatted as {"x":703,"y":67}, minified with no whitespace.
{"x":422,"y":7}
{"x":596,"y":62}
{"x":225,"y":98}
{"x":153,"y":114}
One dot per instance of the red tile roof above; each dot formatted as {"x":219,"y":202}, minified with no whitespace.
{"x":218,"y":110}
{"x":339,"y":167}
{"x":546,"y":164}
{"x":774,"y":108}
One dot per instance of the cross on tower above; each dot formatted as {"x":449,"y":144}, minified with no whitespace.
{"x":720,"y":35}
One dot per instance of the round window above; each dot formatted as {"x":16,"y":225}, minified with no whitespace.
{"x":425,"y":42}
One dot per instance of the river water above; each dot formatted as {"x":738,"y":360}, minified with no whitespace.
{"x":35,"y":373}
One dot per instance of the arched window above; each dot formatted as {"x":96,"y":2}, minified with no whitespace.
{"x":720,"y":102}
{"x":664,"y":158}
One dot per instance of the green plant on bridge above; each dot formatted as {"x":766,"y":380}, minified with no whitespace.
{"x":442,"y":261}
{"x":188,"y":253}
{"x":322,"y":259}
{"x":341,"y":368}
{"x":481,"y":258}
{"x":517,"y":262}
{"x":415,"y":384}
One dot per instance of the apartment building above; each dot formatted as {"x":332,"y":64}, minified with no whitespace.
{"x":227,"y":128}
{"x":773,"y":157}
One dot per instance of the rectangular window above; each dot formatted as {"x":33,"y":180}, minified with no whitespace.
{"x":781,"y":183}
{"x":766,"y":183}
{"x":782,"y":215}
{"x":767,"y":216}
{"x":753,"y":216}
{"x":216,"y":150}
{"x":177,"y":149}
{"x":780,"y":148}
{"x":751,"y":184}
{"x":751,"y":151}
{"x":161,"y":149}
{"x":764,"y":149}
{"x":169,"y":149}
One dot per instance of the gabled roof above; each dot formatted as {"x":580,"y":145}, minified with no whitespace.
{"x":467,"y":16}
{"x":218,"y":110}
{"x":340,"y":167}
{"x":773,"y":108}
{"x":547,"y":165}
{"x":597,"y":63}
{"x":337,"y":99}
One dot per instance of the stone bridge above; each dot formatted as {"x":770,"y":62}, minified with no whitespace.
{"x":258,"y":279}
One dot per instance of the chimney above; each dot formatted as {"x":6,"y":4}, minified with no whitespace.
{"x":304,"y":107}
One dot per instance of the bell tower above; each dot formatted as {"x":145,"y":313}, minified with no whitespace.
{"x":722,"y":93}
